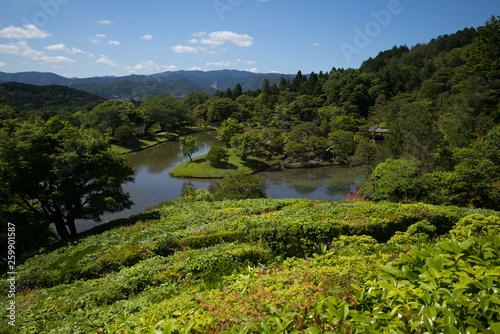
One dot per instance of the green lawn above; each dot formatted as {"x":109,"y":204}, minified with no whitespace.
{"x":200,"y":167}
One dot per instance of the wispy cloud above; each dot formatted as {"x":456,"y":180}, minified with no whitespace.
{"x":209,"y":42}
{"x":105,"y":22}
{"x":27,"y":31}
{"x":221,"y":63}
{"x":2,"y":63}
{"x":184,"y":49}
{"x":113,"y":43}
{"x":147,"y":37}
{"x":62,"y":47}
{"x":248,"y":62}
{"x":106,"y":61}
{"x":23,"y":49}
{"x":96,"y":39}
{"x":149,"y":67}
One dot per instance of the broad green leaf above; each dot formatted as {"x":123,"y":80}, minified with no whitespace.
{"x":451,"y":330}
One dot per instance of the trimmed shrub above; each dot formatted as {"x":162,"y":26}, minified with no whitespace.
{"x":208,"y":240}
{"x":477,"y":225}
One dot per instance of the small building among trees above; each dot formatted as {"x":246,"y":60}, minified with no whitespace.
{"x":378,"y":133}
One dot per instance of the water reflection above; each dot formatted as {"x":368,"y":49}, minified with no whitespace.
{"x":324,"y":183}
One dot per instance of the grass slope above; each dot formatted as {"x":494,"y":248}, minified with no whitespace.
{"x":249,"y":265}
{"x":201,"y":168}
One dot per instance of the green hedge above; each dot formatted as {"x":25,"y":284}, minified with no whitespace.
{"x":208,"y":240}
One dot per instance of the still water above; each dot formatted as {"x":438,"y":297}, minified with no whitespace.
{"x":153,"y":184}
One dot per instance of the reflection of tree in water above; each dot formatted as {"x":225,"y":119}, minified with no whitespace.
{"x":167,"y":155}
{"x":304,"y":189}
{"x":338,"y":189}
{"x":212,"y":187}
{"x":158,"y":158}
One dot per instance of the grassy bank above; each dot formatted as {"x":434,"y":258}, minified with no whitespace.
{"x":201,"y":168}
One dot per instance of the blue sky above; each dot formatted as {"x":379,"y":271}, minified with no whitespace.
{"x":84,"y":38}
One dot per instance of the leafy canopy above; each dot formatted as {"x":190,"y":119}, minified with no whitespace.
{"x":62,"y":173}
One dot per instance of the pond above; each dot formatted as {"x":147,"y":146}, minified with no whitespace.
{"x":154,"y":185}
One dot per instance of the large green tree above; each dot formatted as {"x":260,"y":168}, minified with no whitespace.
{"x":230,"y":127}
{"x":110,"y":115}
{"x":61,"y":173}
{"x":396,"y":180}
{"x":166,"y":111}
{"x":485,"y":53}
{"x":247,"y":143}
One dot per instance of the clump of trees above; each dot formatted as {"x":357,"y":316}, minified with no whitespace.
{"x":217,"y":156}
{"x":54,"y":173}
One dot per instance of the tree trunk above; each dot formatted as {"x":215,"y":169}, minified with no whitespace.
{"x":72,"y":227}
{"x":62,"y":231}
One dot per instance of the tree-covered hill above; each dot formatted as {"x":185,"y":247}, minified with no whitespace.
{"x":30,"y":101}
{"x":177,"y":83}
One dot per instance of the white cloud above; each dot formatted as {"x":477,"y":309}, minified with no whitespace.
{"x":106,"y":61}
{"x":248,"y":62}
{"x":199,"y":34}
{"x":23,"y":49}
{"x":195,"y":68}
{"x":2,"y":63}
{"x":113,"y":43}
{"x":62,"y":47}
{"x":149,"y":67}
{"x":213,"y":40}
{"x":147,"y":37}
{"x":105,"y":22}
{"x":184,"y":49}
{"x":27,"y":31}
{"x":218,"y":38}
{"x":222,"y":63}
{"x":253,"y":70}
{"x":96,"y":38}
{"x":170,"y":68}
{"x":315,"y":44}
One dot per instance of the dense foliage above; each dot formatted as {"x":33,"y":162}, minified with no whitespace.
{"x":30,"y":101}
{"x":59,"y":173}
{"x":270,"y":266}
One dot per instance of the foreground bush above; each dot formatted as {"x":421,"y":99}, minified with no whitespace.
{"x":264,"y":264}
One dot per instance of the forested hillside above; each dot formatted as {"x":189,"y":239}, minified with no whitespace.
{"x":31,"y":101}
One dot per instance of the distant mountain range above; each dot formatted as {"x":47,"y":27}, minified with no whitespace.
{"x":178,"y":83}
